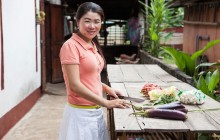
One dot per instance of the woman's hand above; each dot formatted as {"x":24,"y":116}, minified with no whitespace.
{"x":117,"y":103}
{"x":113,"y":93}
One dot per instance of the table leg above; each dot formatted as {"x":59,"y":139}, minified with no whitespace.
{"x":111,"y":125}
{"x":123,"y":137}
{"x":191,"y":136}
{"x":180,"y":136}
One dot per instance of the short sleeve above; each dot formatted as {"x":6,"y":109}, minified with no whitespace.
{"x":69,"y":54}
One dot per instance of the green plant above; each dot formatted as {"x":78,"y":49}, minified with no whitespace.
{"x":197,"y":73}
{"x":208,"y":84}
{"x":184,"y":61}
{"x":160,"y":16}
{"x":166,"y":57}
{"x":178,"y":16}
{"x":207,"y":81}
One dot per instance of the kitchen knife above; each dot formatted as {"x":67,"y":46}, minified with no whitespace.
{"x":138,"y":100}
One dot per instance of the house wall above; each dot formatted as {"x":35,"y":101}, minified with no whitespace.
{"x":202,"y":20}
{"x":22,"y":68}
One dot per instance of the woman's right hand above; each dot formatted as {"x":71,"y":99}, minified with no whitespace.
{"x":117,"y":103}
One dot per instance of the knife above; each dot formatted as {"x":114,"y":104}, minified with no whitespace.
{"x":137,"y":100}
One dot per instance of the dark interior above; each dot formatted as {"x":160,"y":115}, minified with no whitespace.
{"x":114,"y":9}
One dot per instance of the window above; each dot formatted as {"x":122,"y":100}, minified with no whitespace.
{"x":116,"y":33}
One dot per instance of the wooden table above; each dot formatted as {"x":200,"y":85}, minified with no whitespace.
{"x":130,"y":79}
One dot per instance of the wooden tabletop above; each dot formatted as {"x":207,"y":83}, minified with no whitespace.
{"x":129,"y":79}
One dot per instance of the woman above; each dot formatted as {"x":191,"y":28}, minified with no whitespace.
{"x":82,"y":64}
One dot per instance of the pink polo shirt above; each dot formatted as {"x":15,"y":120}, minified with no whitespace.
{"x":76,"y":51}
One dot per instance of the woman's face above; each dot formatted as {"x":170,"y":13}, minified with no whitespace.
{"x":89,"y":25}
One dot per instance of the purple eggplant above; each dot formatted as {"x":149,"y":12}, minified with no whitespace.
{"x":170,"y":106}
{"x":173,"y":105}
{"x":163,"y":113}
{"x":185,"y":110}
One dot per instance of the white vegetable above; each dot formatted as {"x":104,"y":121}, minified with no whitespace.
{"x":192,"y":97}
{"x":170,"y":91}
{"x":155,"y":94}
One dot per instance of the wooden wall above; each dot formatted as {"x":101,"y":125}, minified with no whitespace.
{"x":202,"y":23}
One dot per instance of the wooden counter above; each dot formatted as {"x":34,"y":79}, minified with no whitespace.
{"x":130,"y":79}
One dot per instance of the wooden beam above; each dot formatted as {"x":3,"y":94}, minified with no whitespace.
{"x":201,"y":23}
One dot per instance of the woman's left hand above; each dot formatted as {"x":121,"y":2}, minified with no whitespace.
{"x":113,"y":93}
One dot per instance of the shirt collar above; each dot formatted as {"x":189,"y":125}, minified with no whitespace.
{"x":82,"y":42}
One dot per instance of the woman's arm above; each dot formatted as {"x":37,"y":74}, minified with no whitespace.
{"x":76,"y":86}
{"x":110,"y":91}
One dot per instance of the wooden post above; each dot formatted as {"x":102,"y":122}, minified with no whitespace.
{"x":43,"y":50}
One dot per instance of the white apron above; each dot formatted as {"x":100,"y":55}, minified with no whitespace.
{"x":83,"y":124}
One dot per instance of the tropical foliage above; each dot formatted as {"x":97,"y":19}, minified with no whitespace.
{"x":208,"y":84}
{"x":206,"y":81}
{"x":160,"y":17}
{"x":185,"y":62}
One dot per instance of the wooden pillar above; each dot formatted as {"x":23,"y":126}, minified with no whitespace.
{"x":43,"y":50}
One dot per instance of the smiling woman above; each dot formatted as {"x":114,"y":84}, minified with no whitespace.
{"x":82,"y":63}
{"x":89,"y":26}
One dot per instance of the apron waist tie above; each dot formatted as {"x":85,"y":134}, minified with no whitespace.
{"x":85,"y":106}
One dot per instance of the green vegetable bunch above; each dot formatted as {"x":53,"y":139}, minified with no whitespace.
{"x":164,"y":99}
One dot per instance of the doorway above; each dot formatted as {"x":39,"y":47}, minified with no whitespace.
{"x":54,"y":38}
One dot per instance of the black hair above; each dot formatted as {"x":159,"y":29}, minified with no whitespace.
{"x":89,"y":6}
{"x":95,"y":8}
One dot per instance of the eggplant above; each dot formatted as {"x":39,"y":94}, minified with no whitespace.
{"x":172,"y":105}
{"x":167,"y":114}
{"x":163,"y":113}
{"x":185,"y":110}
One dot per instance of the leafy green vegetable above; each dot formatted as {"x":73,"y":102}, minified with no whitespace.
{"x":164,"y":99}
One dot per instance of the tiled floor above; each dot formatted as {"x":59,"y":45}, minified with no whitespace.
{"x":42,"y":122}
